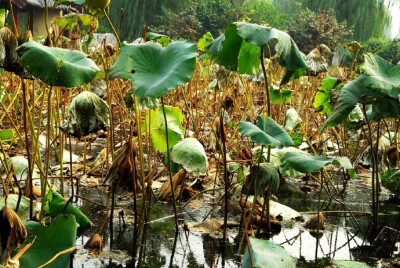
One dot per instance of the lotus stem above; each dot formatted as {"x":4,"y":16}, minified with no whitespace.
{"x":377,"y":185}
{"x":318,"y":209}
{"x":374,"y":212}
{"x":266,"y":82}
{"x":169,"y":165}
{"x":12,"y":18}
{"x":61,"y":141}
{"x":29,"y":184}
{"x":254,"y":179}
{"x":112,"y":27}
{"x":46,"y":17}
{"x":226,"y":183}
{"x":47,"y":166}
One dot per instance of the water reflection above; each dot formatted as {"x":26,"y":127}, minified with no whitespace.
{"x":341,"y":240}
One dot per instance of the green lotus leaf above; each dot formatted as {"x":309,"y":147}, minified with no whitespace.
{"x":362,"y":90}
{"x":349,"y":264}
{"x":384,"y":72}
{"x":147,"y":103}
{"x":266,"y":254}
{"x":20,"y":166}
{"x":205,"y":41}
{"x":305,"y":163}
{"x":163,"y":40}
{"x":276,"y":157}
{"x":3,"y":16}
{"x":153,"y":69}
{"x":239,"y":48}
{"x":88,"y":114}
{"x":23,"y":209}
{"x":191,"y":155}
{"x":281,"y":96}
{"x":267,"y":175}
{"x":55,"y":204}
{"x":267,"y":132}
{"x":323,"y":95}
{"x":57,"y":66}
{"x":157,"y":127}
{"x":96,"y":4}
{"x":293,"y":119}
{"x":68,"y":22}
{"x":6,"y":135}
{"x":48,"y":241}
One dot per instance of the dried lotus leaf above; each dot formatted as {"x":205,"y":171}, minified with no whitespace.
{"x":12,"y":231}
{"x":25,"y":37}
{"x":316,"y":63}
{"x":88,"y":114}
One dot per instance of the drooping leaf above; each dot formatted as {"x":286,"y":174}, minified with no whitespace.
{"x":157,"y":127}
{"x":147,"y":103}
{"x":384,"y":72}
{"x":191,"y":155}
{"x":267,"y":254}
{"x":155,"y":70}
{"x":241,"y":43}
{"x":306,"y":163}
{"x":59,"y":236}
{"x":55,"y":204}
{"x":276,"y":158}
{"x":88,"y":114}
{"x":267,"y":176}
{"x":363,"y":90}
{"x":267,"y":132}
{"x":57,"y":66}
{"x":295,"y":74}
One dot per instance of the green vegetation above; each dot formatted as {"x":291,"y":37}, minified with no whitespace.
{"x":236,"y":114}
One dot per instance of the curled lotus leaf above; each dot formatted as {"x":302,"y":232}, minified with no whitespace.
{"x":88,"y":114}
{"x":316,"y":63}
{"x":8,"y":46}
{"x":191,"y":155}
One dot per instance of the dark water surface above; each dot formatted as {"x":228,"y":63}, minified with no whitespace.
{"x":341,"y":240}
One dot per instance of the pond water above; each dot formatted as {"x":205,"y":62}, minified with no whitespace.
{"x":341,"y":240}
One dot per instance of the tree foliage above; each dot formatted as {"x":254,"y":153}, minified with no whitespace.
{"x":190,"y":19}
{"x":368,"y":18}
{"x":308,"y":29}
{"x":387,"y":49}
